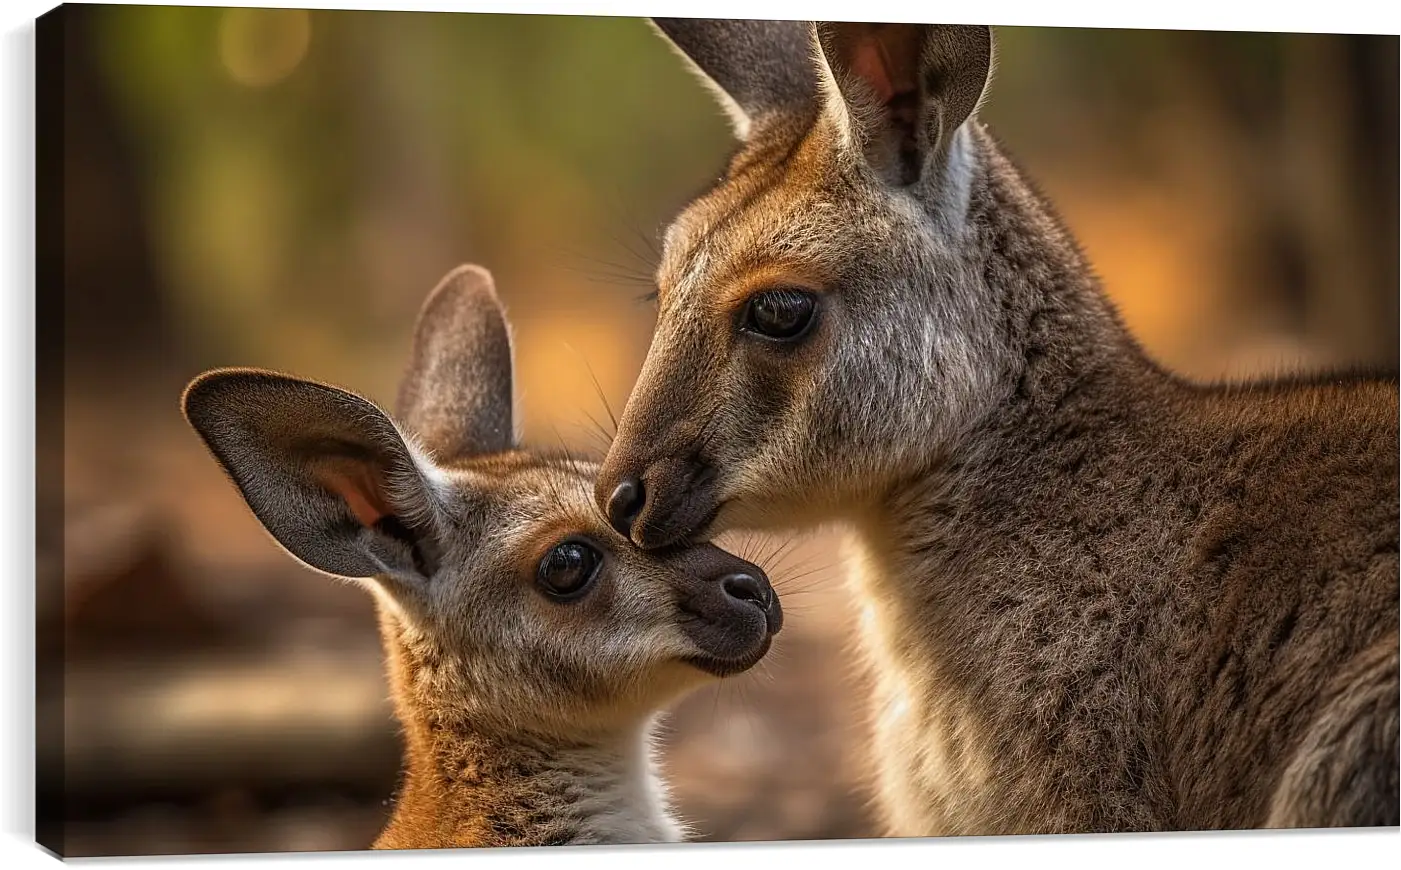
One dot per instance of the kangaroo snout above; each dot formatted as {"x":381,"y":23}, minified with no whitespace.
{"x":730,"y":612}
{"x":751,"y":588}
{"x":667,"y":502}
{"x":624,"y":504}
{"x":743,"y":587}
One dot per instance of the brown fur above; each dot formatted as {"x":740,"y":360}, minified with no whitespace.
{"x":1099,"y":598}
{"x":527,"y":715}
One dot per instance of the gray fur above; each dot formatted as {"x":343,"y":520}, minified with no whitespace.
{"x":755,"y":67}
{"x":1097,"y":597}
{"x":457,"y":394}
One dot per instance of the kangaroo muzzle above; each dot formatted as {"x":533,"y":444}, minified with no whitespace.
{"x":728,"y":609}
{"x":666,"y":502}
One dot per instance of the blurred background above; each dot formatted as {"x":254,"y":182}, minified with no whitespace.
{"x":281,"y":188}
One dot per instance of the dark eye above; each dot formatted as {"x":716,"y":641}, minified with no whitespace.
{"x":568,"y":570}
{"x":782,"y":315}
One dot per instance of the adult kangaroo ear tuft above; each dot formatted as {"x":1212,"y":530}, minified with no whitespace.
{"x":755,"y":68}
{"x":457,"y":395}
{"x":899,"y":92}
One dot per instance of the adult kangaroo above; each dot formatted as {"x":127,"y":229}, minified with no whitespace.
{"x":1099,"y":598}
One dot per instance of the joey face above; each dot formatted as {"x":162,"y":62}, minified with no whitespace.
{"x":506,"y":598}
{"x":823,"y":324}
{"x":542,"y":614}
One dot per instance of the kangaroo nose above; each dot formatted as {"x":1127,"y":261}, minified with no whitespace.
{"x":625,"y":504}
{"x":745,"y":587}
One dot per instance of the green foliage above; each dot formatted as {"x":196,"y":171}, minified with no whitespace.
{"x":522,"y":128}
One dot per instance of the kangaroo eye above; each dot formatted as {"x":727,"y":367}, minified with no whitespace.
{"x":782,"y":315}
{"x":568,"y":570}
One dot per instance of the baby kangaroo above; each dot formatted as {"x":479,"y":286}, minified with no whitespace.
{"x":530,"y":647}
{"x":1097,"y":598}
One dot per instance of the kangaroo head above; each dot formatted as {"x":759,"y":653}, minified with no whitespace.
{"x":824,"y":315}
{"x":504,"y":595}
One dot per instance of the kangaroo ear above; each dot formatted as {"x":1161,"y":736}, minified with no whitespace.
{"x":755,"y":68}
{"x":899,"y":92}
{"x":324,"y":471}
{"x":457,"y":393}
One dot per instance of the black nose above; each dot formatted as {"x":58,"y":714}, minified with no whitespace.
{"x":745,"y":587}
{"x":625,"y":504}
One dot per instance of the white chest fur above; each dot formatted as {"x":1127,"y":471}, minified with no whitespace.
{"x":925,"y":743}
{"x":628,"y":802}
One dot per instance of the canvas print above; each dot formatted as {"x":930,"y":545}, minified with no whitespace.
{"x":466,"y":430}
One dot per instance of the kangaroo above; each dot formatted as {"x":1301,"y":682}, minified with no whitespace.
{"x":1097,"y":597}
{"x":530,"y":648}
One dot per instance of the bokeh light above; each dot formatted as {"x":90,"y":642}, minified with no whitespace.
{"x":260,"y":47}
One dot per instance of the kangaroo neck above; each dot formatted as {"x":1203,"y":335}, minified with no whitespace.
{"x":465,"y":786}
{"x":1058,"y":330}
{"x":1071,"y":381}
{"x":468,"y":781}
{"x":1057,"y":350}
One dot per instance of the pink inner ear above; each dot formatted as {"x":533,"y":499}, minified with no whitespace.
{"x":357,"y":488}
{"x":869,"y":61}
